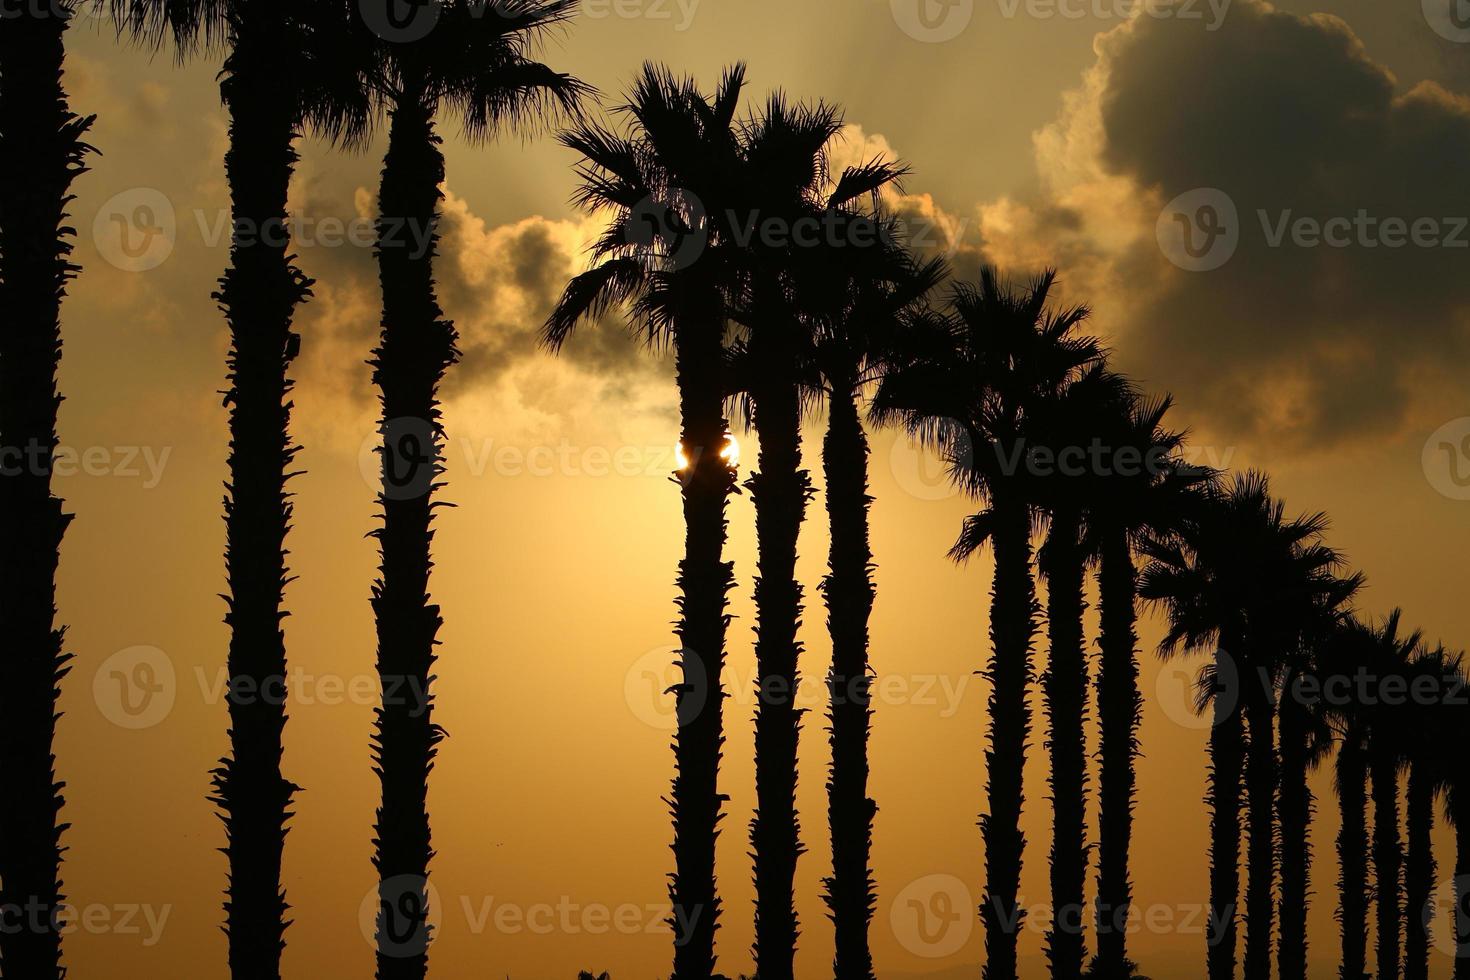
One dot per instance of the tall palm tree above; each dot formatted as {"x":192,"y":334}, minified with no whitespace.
{"x":1456,"y":728}
{"x":1306,"y":740}
{"x":665,"y":253}
{"x":1240,"y":574}
{"x":1132,"y":503}
{"x":41,"y":153}
{"x":1430,"y":740}
{"x":478,"y":62}
{"x":860,"y":312}
{"x":970,"y":389}
{"x":284,"y":68}
{"x":783,"y":182}
{"x":1067,"y":425}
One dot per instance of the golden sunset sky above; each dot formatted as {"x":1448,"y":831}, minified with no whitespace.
{"x":1040,"y":132}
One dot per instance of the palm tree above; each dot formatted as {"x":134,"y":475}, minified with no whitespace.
{"x":1456,"y":728}
{"x":41,"y":152}
{"x":665,"y":253}
{"x":1243,"y":576}
{"x":1132,"y":503}
{"x":1428,"y":727}
{"x":476,"y":60}
{"x":1306,"y":740}
{"x":970,"y":389}
{"x":283,"y":69}
{"x":1067,"y":424}
{"x":861,"y":313}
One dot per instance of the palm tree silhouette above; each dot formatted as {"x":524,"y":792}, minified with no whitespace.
{"x":1130,"y":505}
{"x":666,"y":253}
{"x":1305,"y":740}
{"x":849,"y":356}
{"x":1428,"y":731}
{"x":477,"y":61}
{"x":1239,"y":575}
{"x":969,"y":389}
{"x":283,"y":68}
{"x":41,"y":153}
{"x":1065,"y":426}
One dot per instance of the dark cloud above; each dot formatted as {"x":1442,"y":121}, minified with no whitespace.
{"x":1299,"y":345}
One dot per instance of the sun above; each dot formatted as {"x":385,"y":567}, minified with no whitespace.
{"x":730,"y":453}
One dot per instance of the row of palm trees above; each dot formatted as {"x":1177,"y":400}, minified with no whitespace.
{"x":1003,"y":384}
{"x":764,"y":327}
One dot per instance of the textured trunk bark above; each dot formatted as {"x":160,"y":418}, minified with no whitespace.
{"x":849,"y":592}
{"x":1009,"y":672}
{"x":258,"y":294}
{"x":779,"y":492}
{"x":1261,"y":776}
{"x":40,"y":154}
{"x":704,"y":581}
{"x":1387,"y":861}
{"x":416,"y":347}
{"x":1352,"y":858}
{"x":1064,"y":690}
{"x":1224,"y":801}
{"x":1295,"y":812}
{"x":1119,"y":707}
{"x":1462,"y":883}
{"x":1419,"y":873}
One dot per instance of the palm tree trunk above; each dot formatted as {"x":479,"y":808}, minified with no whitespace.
{"x":1261,"y":776}
{"x":1119,"y":707}
{"x":1387,"y":860}
{"x":779,"y":491}
{"x":1064,"y":690}
{"x":1352,"y":858}
{"x":1295,"y":810}
{"x":40,"y":152}
{"x":1009,"y":672}
{"x":849,"y":592}
{"x":1224,"y":800}
{"x":258,"y":295}
{"x":1419,"y":873}
{"x":704,"y":581}
{"x":416,"y":347}
{"x":1461,"y":813}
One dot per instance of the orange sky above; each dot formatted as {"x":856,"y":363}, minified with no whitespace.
{"x":555,"y":569}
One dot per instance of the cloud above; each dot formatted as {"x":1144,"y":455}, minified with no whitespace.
{"x":1295,"y":344}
